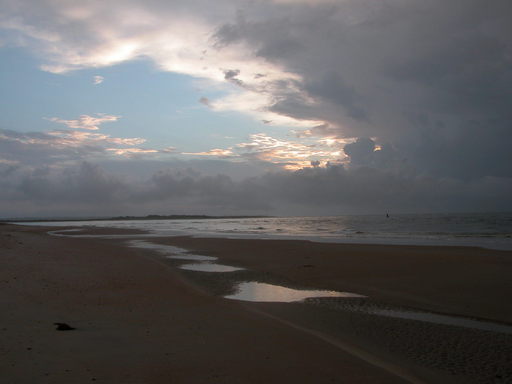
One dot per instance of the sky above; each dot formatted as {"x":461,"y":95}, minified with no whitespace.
{"x":268,"y":107}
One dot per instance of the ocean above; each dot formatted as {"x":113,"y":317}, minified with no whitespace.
{"x":488,"y":230}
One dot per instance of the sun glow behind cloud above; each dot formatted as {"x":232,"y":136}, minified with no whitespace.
{"x":174,"y":38}
{"x":288,"y":154}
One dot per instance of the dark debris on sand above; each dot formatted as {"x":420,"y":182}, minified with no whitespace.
{"x":63,"y":327}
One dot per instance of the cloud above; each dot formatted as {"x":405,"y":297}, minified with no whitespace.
{"x":205,"y":101}
{"x":217,"y":152}
{"x":88,"y":189}
{"x":86,"y":183}
{"x":291,"y":154}
{"x":86,"y":121}
{"x":96,"y":80}
{"x":177,"y":36}
{"x":168,"y":150}
{"x":231,"y":76}
{"x":336,"y":189}
{"x":416,"y":94}
{"x":429,"y":79}
{"x":361,"y":151}
{"x":288,"y":154}
{"x":132,"y":151}
{"x":51,"y":148}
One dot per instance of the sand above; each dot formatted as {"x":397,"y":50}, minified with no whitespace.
{"x":140,"y":319}
{"x":463,"y":280}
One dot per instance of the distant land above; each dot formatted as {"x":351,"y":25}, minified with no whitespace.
{"x":148,"y":217}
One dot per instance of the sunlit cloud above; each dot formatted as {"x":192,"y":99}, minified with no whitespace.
{"x":8,"y":162}
{"x":288,"y":154}
{"x":216,"y":152}
{"x":168,"y":150}
{"x":267,"y":148}
{"x":86,"y":121}
{"x":96,"y":80}
{"x":332,"y":141}
{"x":78,"y":138}
{"x":257,"y":105}
{"x":130,"y":152}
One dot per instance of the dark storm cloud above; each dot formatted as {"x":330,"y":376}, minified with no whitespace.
{"x":361,"y":152}
{"x":88,"y":189}
{"x":231,"y":74}
{"x":87,"y":184}
{"x":332,"y":88}
{"x":431,"y":78}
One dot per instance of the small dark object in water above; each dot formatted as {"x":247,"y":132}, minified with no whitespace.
{"x":63,"y":327}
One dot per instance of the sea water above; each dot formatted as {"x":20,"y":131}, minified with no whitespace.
{"x":490,"y":230}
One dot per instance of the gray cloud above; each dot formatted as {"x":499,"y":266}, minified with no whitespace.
{"x":205,"y":101}
{"x":432,"y":78}
{"x":87,"y":184}
{"x":89,"y":189}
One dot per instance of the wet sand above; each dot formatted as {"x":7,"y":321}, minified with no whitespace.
{"x":460,"y":283}
{"x":140,"y":319}
{"x":463,"y":280}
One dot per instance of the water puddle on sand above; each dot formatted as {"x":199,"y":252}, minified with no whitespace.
{"x":444,"y":319}
{"x":62,"y":232}
{"x":262,"y":292}
{"x":210,"y":267}
{"x":193,"y":257}
{"x":205,"y":262}
{"x":170,"y":251}
{"x":167,"y":249}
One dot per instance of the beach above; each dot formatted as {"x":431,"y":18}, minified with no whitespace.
{"x":140,"y":318}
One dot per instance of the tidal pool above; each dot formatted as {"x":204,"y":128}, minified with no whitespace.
{"x":192,"y":257}
{"x":170,"y":251}
{"x":62,"y":232}
{"x":210,"y":267}
{"x":444,"y":319}
{"x":263,"y":292}
{"x":157,"y":247}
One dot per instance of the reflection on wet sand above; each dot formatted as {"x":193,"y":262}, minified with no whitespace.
{"x":444,"y":319}
{"x":210,"y":267}
{"x":262,"y":292}
{"x":170,"y":251}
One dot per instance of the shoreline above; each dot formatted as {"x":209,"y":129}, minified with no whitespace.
{"x":456,"y":255}
{"x":139,"y":277}
{"x":500,"y":243}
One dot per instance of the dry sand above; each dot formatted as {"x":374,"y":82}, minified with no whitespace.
{"x":139,"y":319}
